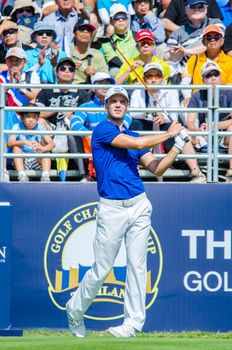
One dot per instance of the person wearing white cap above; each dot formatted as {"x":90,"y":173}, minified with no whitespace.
{"x":103,"y":9}
{"x":84,"y":121}
{"x":211,"y":75}
{"x":153,"y":74}
{"x":124,"y":212}
{"x":122,"y":37}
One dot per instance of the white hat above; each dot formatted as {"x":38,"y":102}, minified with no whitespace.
{"x":116,"y":90}
{"x":208,"y":67}
{"x":16,"y":52}
{"x":99,"y":76}
{"x":117,"y":8}
{"x":153,"y":65}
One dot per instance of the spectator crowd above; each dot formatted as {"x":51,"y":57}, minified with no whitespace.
{"x":104,"y":42}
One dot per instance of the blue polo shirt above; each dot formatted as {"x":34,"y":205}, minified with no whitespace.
{"x":116,"y":168}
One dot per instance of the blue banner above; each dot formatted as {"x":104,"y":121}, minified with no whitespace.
{"x":5,"y":264}
{"x":189,"y":278}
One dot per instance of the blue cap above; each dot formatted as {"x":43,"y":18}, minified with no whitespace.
{"x":193,"y":2}
{"x":43,"y":26}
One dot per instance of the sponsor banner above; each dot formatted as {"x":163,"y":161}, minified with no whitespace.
{"x":5,"y":264}
{"x":189,"y":275}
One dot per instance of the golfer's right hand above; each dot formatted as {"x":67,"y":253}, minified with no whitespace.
{"x":174,"y":129}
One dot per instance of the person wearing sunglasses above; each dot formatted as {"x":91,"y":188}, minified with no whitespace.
{"x":187,"y":40}
{"x":213,"y":40}
{"x":144,"y":18}
{"x":69,"y":97}
{"x":122,"y":37}
{"x":63,"y":21}
{"x":175,"y":14}
{"x":9,"y":37}
{"x":153,"y":74}
{"x":103,"y":9}
{"x":145,"y":43}
{"x":65,"y":71}
{"x":43,"y":58}
{"x":211,"y":75}
{"x":25,"y":13}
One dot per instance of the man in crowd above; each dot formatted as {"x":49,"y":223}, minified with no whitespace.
{"x":88,"y":60}
{"x":211,"y":75}
{"x":187,"y":40}
{"x":16,"y":61}
{"x":175,"y":15}
{"x":213,"y":41}
{"x":9,"y":36}
{"x":140,"y":98}
{"x":63,"y":98}
{"x":63,"y":21}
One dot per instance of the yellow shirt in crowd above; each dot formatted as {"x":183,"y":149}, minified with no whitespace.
{"x":195,"y":63}
{"x":132,"y":79}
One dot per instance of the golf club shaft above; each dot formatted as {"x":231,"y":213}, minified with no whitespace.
{"x":143,"y":82}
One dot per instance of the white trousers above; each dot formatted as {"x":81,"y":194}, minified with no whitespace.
{"x":117,"y":220}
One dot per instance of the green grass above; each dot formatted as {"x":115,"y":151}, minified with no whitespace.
{"x":49,"y":340}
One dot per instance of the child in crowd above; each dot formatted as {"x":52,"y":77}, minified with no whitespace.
{"x":22,"y":143}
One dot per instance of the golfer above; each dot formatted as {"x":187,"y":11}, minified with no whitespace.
{"x":124,"y":212}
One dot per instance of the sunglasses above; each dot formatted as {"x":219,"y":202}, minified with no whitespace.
{"x":140,"y":1}
{"x":42,"y":32}
{"x":82,"y":29}
{"x":121,"y":16}
{"x":155,"y":76}
{"x":9,"y":31}
{"x":199,"y":6}
{"x":213,"y":73}
{"x":67,"y":68}
{"x":209,"y":37}
{"x":145,"y":42}
{"x":26,"y":9}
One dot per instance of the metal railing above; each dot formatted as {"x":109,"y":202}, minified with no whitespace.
{"x":212,"y":134}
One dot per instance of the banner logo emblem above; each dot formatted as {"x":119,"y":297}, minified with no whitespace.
{"x":69,"y":254}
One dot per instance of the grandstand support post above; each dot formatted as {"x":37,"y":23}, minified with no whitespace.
{"x":210,"y":135}
{"x":2,"y":105}
{"x":215,"y":146}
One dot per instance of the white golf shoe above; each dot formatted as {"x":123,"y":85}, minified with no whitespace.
{"x":123,"y":331}
{"x":77,"y":327}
